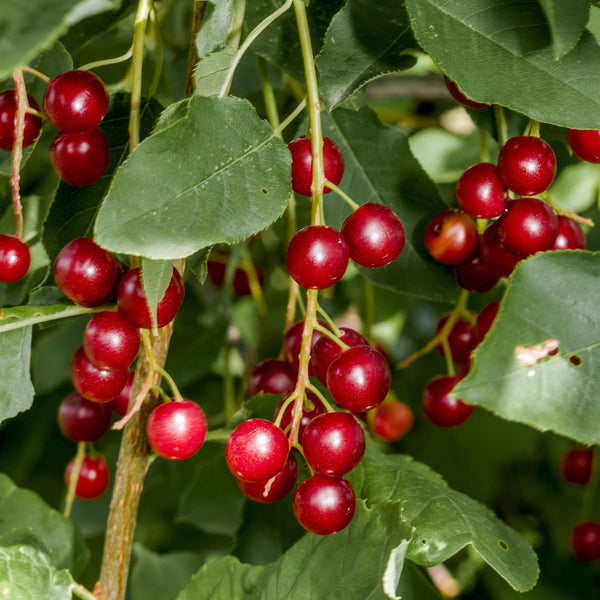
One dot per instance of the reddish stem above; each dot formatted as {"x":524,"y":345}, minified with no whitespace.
{"x":17,"y":150}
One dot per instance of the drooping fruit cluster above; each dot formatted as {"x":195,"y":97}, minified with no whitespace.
{"x":76,"y":102}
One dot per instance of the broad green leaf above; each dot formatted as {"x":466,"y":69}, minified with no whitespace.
{"x":28,"y":512}
{"x":567,"y":22}
{"x":27,"y":574}
{"x":381,"y":168}
{"x":211,"y":72}
{"x":445,"y":520}
{"x":22,"y":317}
{"x":551,"y":296}
{"x":364,"y":41}
{"x":215,"y":28}
{"x":25,"y":33}
{"x":473,"y":38}
{"x":16,"y":389}
{"x":218,"y":175}
{"x":365,"y":561}
{"x":156,"y":276}
{"x":576,"y":187}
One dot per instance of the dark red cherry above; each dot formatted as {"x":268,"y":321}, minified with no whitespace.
{"x":440,"y":407}
{"x":461,"y":339}
{"x":273,"y":489}
{"x":585,"y":144}
{"x":312,"y":407}
{"x":8,"y":121}
{"x":451,"y":237}
{"x":93,"y":476}
{"x":76,"y":101}
{"x":82,"y":420}
{"x":15,"y":258}
{"x":85,"y":273}
{"x":570,"y":235}
{"x":292,"y":343}
{"x":585,"y":541}
{"x":485,"y":319}
{"x":80,"y":157}
{"x":317,"y":257}
{"x":460,"y":97}
{"x":301,"y":151}
{"x":476,"y":274}
{"x":526,"y":165}
{"x":132,"y":303}
{"x":272,"y":376}
{"x":326,"y":349}
{"x":576,"y":465}
{"x":494,"y":254}
{"x":324,"y":505}
{"x":374,"y":234}
{"x":479,"y":191}
{"x":120,"y":404}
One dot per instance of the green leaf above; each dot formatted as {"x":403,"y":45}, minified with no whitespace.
{"x":364,"y":560}
{"x":211,"y":72}
{"x":551,"y":296}
{"x":16,"y":389}
{"x":156,"y":276}
{"x":218,"y":175}
{"x":22,"y":317}
{"x":25,"y":34}
{"x":216,"y":24}
{"x":29,"y":513}
{"x":26,"y":574}
{"x":470,"y":39}
{"x":445,"y":520}
{"x":381,"y":168}
{"x":364,"y":41}
{"x":567,"y":22}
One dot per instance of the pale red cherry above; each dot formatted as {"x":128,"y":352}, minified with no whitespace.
{"x":273,"y":489}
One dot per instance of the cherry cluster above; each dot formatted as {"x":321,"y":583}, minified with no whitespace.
{"x":576,"y":467}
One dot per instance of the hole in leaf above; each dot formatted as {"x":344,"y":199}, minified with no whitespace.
{"x":575,"y":360}
{"x":424,"y":542}
{"x":503,"y":544}
{"x":265,"y":191}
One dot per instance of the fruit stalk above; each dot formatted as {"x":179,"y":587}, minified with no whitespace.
{"x":17,"y":150}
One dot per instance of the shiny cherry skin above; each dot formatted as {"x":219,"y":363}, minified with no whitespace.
{"x":462,"y":339}
{"x":111,"y":341}
{"x":479,"y":191}
{"x":120,"y":404}
{"x":8,"y":121}
{"x":526,"y":165}
{"x":585,"y":541}
{"x":499,"y":259}
{"x":374,"y":234}
{"x":85,"y":273}
{"x":333,"y":443}
{"x":132,"y":303}
{"x":440,"y":407}
{"x":292,"y":342}
{"x":570,"y":235}
{"x":93,"y":477}
{"x":273,"y":489}
{"x":325,"y":350}
{"x":317,"y":257}
{"x":585,"y":144}
{"x":82,"y":420}
{"x":576,"y":465}
{"x":476,"y":274}
{"x":176,"y":430}
{"x":80,"y":157}
{"x":359,"y":378}
{"x":76,"y":101}
{"x":485,"y":319}
{"x":391,"y":420}
{"x":97,"y":385}
{"x":451,"y":237}
{"x":272,"y":376}
{"x":312,"y":407}
{"x":324,"y":505}
{"x":256,"y":450}
{"x":528,"y":225}
{"x":301,"y":151}
{"x":15,"y":258}
{"x":460,"y":97}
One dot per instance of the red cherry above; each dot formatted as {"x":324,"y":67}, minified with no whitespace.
{"x":215,"y":270}
{"x":272,"y":376}
{"x":256,"y":450}
{"x":585,"y":541}
{"x":274,"y":489}
{"x":80,"y":157}
{"x":324,"y":505}
{"x":451,"y":237}
{"x":440,"y":407}
{"x":479,"y":191}
{"x":93,"y":477}
{"x":317,"y":257}
{"x":301,"y":151}
{"x":81,"y":420}
{"x":292,"y":343}
{"x":85,"y":273}
{"x":8,"y":121}
{"x":526,"y":165}
{"x":359,"y":378}
{"x":176,"y":430}
{"x":576,"y":465}
{"x":476,"y":274}
{"x":585,"y":144}
{"x":461,"y":339}
{"x":485,"y":319}
{"x":308,"y":412}
{"x":97,"y":385}
{"x":570,"y":235}
{"x":493,"y":252}
{"x":460,"y":97}
{"x":120,"y":404}
{"x":15,"y":258}
{"x":374,"y":234}
{"x":131,"y":300}
{"x":76,"y":101}
{"x":391,"y":420}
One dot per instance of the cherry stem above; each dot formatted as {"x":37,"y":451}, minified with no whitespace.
{"x":286,"y":122}
{"x":267,"y":92}
{"x":484,"y":150}
{"x":79,"y":456}
{"x":17,"y":149}
{"x":82,"y":592}
{"x":334,"y":337}
{"x":567,"y":213}
{"x":353,"y":205}
{"x":501,"y":127}
{"x":334,"y":328}
{"x":106,"y":62}
{"x":159,"y":52}
{"x":315,"y":390}
{"x":37,"y":73}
